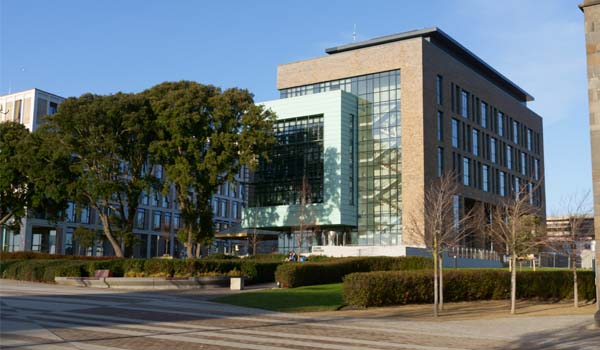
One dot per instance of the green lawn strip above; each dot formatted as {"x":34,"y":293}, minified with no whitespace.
{"x":323,"y":297}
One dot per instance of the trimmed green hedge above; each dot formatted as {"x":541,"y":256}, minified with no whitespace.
{"x":41,"y":270}
{"x":408,"y":287}
{"x":332,"y":271}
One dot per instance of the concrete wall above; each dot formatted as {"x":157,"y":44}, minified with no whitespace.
{"x":336,"y":107}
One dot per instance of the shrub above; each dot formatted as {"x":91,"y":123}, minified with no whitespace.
{"x":259,"y":271}
{"x":116,"y":266}
{"x":268,"y":257}
{"x":184,"y":267}
{"x":292,"y":275}
{"x":397,"y":288}
{"x":44,"y":270}
{"x":158,"y":267}
{"x":221,"y":256}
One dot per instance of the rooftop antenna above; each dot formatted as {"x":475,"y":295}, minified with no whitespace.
{"x":354,"y":33}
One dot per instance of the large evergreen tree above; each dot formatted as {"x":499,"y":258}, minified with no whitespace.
{"x":206,"y":136}
{"x":108,"y":138}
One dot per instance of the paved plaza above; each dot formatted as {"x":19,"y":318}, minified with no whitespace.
{"x":45,"y":317}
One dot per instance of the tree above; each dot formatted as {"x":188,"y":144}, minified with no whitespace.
{"x":107,"y":138}
{"x":85,"y":238}
{"x":442,"y":226}
{"x":516,"y":227}
{"x":33,"y":176}
{"x":571,"y":241}
{"x":205,"y":136}
{"x":305,"y":214}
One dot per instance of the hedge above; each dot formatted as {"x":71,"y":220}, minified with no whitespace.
{"x":407,"y":287}
{"x":42,"y":270}
{"x":299,"y":274}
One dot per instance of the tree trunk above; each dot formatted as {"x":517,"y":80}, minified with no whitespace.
{"x":198,"y":250}
{"x":188,"y":246}
{"x":513,"y":284}
{"x":107,"y":232}
{"x":435,"y":279}
{"x":575,"y":291}
{"x":441,"y":296}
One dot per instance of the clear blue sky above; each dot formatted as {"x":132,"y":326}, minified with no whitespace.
{"x":73,"y":47}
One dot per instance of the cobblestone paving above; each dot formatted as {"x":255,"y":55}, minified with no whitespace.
{"x":45,"y":317}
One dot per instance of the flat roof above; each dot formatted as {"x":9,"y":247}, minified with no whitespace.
{"x":453,"y":48}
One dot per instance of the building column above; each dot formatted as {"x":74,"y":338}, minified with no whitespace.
{"x":591,"y":10}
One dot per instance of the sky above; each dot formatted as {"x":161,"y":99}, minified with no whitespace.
{"x":73,"y":47}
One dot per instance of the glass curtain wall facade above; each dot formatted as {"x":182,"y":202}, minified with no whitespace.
{"x":295,"y":168}
{"x":379,"y":153}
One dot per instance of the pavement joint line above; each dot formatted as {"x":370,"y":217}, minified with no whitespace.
{"x":205,"y":334}
{"x":250,"y":330}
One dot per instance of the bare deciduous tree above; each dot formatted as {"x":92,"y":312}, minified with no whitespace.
{"x":571,"y":240}
{"x":441,"y":226}
{"x":516,"y":227}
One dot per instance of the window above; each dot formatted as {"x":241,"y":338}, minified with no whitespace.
{"x":439,"y":89}
{"x":167,"y":221}
{"x":502,"y":184}
{"x":530,"y":193}
{"x":223,"y":212}
{"x":84,"y":215}
{"x":456,"y":210}
{"x":517,"y":188}
{"x":466,"y":174}
{"x":234,"y":210}
{"x":464,"y":103}
{"x":70,"y":212}
{"x":440,"y":161}
{"x":483,"y":110}
{"x":144,"y":198}
{"x":523,"y":164}
{"x":493,"y":150}
{"x":215,"y":207}
{"x":536,"y":168}
{"x":158,"y":171}
{"x":475,"y":142}
{"x":455,"y":133}
{"x":485,"y":178}
{"x":440,"y":126}
{"x":297,"y":158}
{"x":515,"y":132}
{"x":164,"y":201}
{"x":509,"y":157}
{"x":500,"y":124}
{"x":529,"y":139}
{"x":154,"y":198}
{"x":140,"y":219}
{"x":156,"y":220}
{"x":18,"y":115}
{"x":177,"y":221}
{"x":234,"y":190}
{"x":53,"y":108}
{"x":226,"y":189}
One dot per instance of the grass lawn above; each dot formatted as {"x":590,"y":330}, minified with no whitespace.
{"x":325,"y":297}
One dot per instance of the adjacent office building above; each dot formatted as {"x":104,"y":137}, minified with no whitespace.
{"x":157,"y":218}
{"x":365,"y":129}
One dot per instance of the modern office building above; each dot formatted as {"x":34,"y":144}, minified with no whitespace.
{"x":365,"y":129}
{"x":591,"y":10}
{"x":157,"y":219}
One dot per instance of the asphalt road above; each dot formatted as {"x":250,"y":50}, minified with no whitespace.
{"x":45,"y":317}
